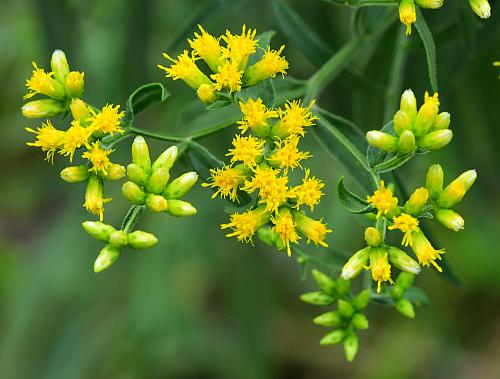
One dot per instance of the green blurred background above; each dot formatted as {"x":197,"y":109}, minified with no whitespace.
{"x":199,"y":305}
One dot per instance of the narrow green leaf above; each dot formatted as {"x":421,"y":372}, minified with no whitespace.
{"x":264,"y":90}
{"x":144,"y":97}
{"x":430,"y":48}
{"x":362,"y":3}
{"x":202,"y":123}
{"x":350,"y":201}
{"x":393,"y":163}
{"x":376,"y":156}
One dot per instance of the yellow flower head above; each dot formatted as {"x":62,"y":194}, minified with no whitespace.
{"x":434,"y":99}
{"x":245,"y":224}
{"x":383,"y":200}
{"x":239,"y":47}
{"x":407,"y":14}
{"x":287,"y":155}
{"x":426,"y":254}
{"x":75,"y":137}
{"x":309,"y":192}
{"x":270,"y":64}
{"x":44,"y":83}
{"x":206,"y":93}
{"x":294,"y":118}
{"x":284,"y":226}
{"x":229,"y":76}
{"x":207,"y":47}
{"x":407,"y":224}
{"x":255,"y":114}
{"x":184,"y":68}
{"x":75,"y":82}
{"x":247,"y":150}
{"x":273,"y":189}
{"x":98,"y":157}
{"x":226,"y":181}
{"x":314,"y":230}
{"x":48,"y":138}
{"x":380,"y":267}
{"x":107,"y":121}
{"x":94,"y":201}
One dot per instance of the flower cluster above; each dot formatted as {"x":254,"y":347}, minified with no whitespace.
{"x":260,"y":163}
{"x":408,"y":13}
{"x":426,"y":129}
{"x":229,"y":60}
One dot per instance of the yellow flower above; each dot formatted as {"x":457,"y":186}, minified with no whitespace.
{"x":424,"y":251}
{"x":247,"y":150}
{"x":74,"y":83}
{"x":314,"y":230}
{"x":229,"y":76}
{"x":94,"y":201}
{"x":245,"y":224}
{"x":309,"y":192}
{"x":407,"y":224}
{"x":270,"y":64}
{"x":287,"y":155}
{"x":226,"y":181}
{"x":184,"y":68}
{"x":407,"y":14}
{"x":48,"y":138}
{"x":293,"y":119}
{"x":207,"y":47}
{"x":255,"y":115}
{"x":383,"y":200}
{"x":206,"y":93}
{"x":273,"y":189}
{"x":107,"y":121}
{"x":380,"y":267}
{"x":75,"y":137}
{"x":98,"y":157}
{"x":239,"y":47}
{"x":284,"y":226}
{"x":44,"y":83}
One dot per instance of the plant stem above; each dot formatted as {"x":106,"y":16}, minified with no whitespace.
{"x":396,"y":76}
{"x":131,"y":218}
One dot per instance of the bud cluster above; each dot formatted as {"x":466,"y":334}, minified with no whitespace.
{"x":408,"y":13}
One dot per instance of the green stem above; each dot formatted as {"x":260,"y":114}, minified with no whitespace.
{"x":364,"y":3}
{"x":158,"y":136}
{"x":131,"y":218}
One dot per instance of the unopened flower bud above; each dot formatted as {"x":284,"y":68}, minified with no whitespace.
{"x":416,"y":202}
{"x":331,"y":318}
{"x":452,"y":220}
{"x":118,"y":238}
{"x":350,"y":345}
{"x":402,"y":122}
{"x":80,"y":110}
{"x":94,"y":200}
{"x":133,"y":193}
{"x":402,"y":260}
{"x":75,"y":174}
{"x":181,"y":185}
{"x":434,"y":181}
{"x":456,"y":190}
{"x":180,"y":208}
{"x":345,"y":309}
{"x":206,"y":93}
{"x":426,"y":114}
{"x":429,"y":4}
{"x":270,"y":238}
{"x":481,"y":7}
{"x":158,"y":180}
{"x":372,"y":236}
{"x":405,"y":280}
{"x":323,"y":281}
{"x":435,"y":140}
{"x":442,"y":121}
{"x":406,"y":142}
{"x":355,"y":264}
{"x":137,"y":174}
{"x":106,"y":258}
{"x":115,"y":171}
{"x":359,"y":321}
{"x":166,"y":159}
{"x":361,"y":300}
{"x":98,"y":230}
{"x":333,"y":338}
{"x":59,"y":65}
{"x":44,"y":108}
{"x":382,"y":140}
{"x":141,"y":240}
{"x":409,"y":104}
{"x":74,"y":83}
{"x":140,"y":153}
{"x":404,"y":307}
{"x":156,"y":203}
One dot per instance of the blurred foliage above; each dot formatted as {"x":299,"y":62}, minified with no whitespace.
{"x":202,"y":306}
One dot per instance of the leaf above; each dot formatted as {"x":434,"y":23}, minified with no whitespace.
{"x":219,"y":104}
{"x":264,"y":42}
{"x":376,"y":156}
{"x":393,"y":163}
{"x":430,"y":48}
{"x":351,"y":202}
{"x":144,"y":97}
{"x":264,"y":90}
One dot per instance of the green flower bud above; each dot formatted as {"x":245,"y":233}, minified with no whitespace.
{"x":359,"y":321}
{"x":166,"y":159}
{"x":106,"y":258}
{"x":80,"y":110}
{"x":343,"y":287}
{"x":133,"y":193}
{"x":372,"y":236}
{"x":331,"y":318}
{"x":59,"y":65}
{"x":141,"y":240}
{"x":114,"y":172}
{"x":409,"y":104}
{"x":456,"y":190}
{"x":137,"y":174}
{"x":434,"y":181}
{"x":361,"y":300}
{"x":270,"y":238}
{"x":481,"y":8}
{"x":382,"y":141}
{"x":158,"y":180}
{"x":425,"y":117}
{"x":406,"y":142}
{"x":452,"y":220}
{"x":317,"y":298}
{"x":181,"y":185}
{"x":435,"y":140}
{"x":75,"y":174}
{"x":345,"y":308}
{"x":74,"y":83}
{"x":404,"y":307}
{"x":118,"y":239}
{"x":98,"y":230}
{"x":442,"y":121}
{"x":333,"y":337}
{"x":355,"y":264}
{"x":429,"y":4}
{"x":397,"y":292}
{"x":156,"y":203}
{"x":140,"y":153}
{"x":179,"y":208}
{"x":402,"y":122}
{"x":402,"y":260}
{"x":416,"y":202}
{"x":405,"y":280}
{"x":350,"y":346}
{"x":44,"y":108}
{"x":324,"y":282}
